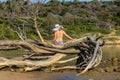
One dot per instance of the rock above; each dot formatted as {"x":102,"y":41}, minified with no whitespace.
{"x":112,"y":68}
{"x":21,"y":70}
{"x":47,"y":70}
{"x":99,"y":70}
{"x":115,"y":61}
{"x":116,"y":68}
{"x":109,"y":69}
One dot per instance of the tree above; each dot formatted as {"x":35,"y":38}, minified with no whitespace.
{"x":76,"y":1}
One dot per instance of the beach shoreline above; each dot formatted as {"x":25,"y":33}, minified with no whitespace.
{"x":66,"y":75}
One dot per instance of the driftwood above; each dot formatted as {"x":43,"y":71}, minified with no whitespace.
{"x":87,"y":51}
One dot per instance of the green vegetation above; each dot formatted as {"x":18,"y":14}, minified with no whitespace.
{"x":78,"y":18}
{"x":12,"y":53}
{"x":118,"y":32}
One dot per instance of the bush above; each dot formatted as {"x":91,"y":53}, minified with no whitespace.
{"x":104,"y":31}
{"x":118,"y":32}
{"x":5,"y":33}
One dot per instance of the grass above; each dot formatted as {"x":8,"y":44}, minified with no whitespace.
{"x":118,"y":33}
{"x":12,"y":53}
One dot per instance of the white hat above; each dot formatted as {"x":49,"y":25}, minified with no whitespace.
{"x":57,"y":27}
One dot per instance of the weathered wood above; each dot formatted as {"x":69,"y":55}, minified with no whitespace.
{"x":65,"y":67}
{"x":31,"y":64}
{"x":92,"y":62}
{"x":9,"y":47}
{"x":36,"y":48}
{"x":68,"y":44}
{"x":65,"y":61}
{"x":37,"y":30}
{"x":87,"y":48}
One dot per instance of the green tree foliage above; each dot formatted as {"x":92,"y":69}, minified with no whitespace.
{"x":77,"y":17}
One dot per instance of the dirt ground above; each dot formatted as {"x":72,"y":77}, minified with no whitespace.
{"x":69,"y":75}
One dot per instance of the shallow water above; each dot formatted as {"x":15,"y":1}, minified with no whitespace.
{"x":111,"y":51}
{"x":6,"y":75}
{"x":69,"y":76}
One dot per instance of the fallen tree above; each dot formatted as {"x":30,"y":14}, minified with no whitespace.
{"x":87,"y":50}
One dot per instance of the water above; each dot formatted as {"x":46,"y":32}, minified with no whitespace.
{"x":69,"y":76}
{"x":111,"y":51}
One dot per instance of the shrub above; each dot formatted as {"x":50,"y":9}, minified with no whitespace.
{"x":118,"y":32}
{"x":5,"y":33}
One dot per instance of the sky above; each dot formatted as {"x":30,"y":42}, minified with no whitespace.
{"x":65,"y":0}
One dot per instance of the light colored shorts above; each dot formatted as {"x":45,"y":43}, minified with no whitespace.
{"x":58,"y":42}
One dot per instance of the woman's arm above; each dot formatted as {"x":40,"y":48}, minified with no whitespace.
{"x":67,"y":35}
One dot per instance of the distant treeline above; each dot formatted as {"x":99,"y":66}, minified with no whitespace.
{"x":76,"y":17}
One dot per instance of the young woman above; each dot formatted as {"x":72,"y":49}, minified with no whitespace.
{"x":58,"y":34}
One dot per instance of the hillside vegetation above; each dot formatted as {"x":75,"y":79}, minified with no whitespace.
{"x":78,"y":18}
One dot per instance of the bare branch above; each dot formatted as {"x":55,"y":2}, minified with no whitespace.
{"x":37,"y":30}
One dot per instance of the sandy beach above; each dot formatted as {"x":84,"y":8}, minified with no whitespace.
{"x":67,"y":75}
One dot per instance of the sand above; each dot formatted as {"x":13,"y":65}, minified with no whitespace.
{"x":67,"y":75}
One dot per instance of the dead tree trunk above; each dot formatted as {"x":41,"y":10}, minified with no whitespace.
{"x":87,"y":50}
